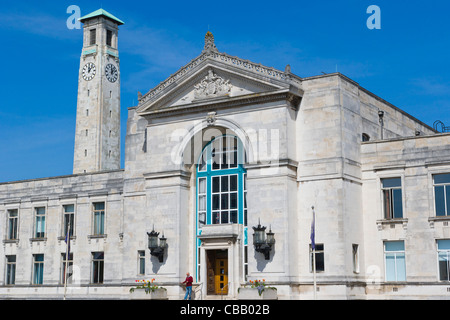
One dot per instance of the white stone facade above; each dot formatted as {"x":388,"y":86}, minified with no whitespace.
{"x":302,"y":141}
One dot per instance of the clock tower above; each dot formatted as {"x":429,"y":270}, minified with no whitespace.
{"x":97,"y":137}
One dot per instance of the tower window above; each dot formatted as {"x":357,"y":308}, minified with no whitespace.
{"x":85,"y":153}
{"x":109,"y":38}
{"x":92,"y":37}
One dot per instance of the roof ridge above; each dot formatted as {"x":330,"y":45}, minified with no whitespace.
{"x":211,"y":52}
{"x":101,"y":12}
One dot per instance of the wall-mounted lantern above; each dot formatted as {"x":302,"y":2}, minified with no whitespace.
{"x":262,"y":244}
{"x":157,"y":249}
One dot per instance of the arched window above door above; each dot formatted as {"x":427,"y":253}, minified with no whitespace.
{"x":221,"y":192}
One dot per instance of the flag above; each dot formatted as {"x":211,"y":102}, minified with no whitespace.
{"x":313,"y":231}
{"x":67,"y":241}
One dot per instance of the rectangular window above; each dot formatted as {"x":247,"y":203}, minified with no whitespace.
{"x":392,"y":198}
{"x":320,"y":257}
{"x":245,"y":200}
{"x":442,"y":194}
{"x":98,"y":218}
{"x":92,"y":37}
{"x":68,"y":219}
{"x":245,"y":263}
{"x":198,"y":264}
{"x":355,"y":254}
{"x":97,"y":267}
{"x":394,"y":257}
{"x":225,"y":153}
{"x":39,"y":222}
{"x":10,"y":270}
{"x":225,"y":199}
{"x":443,"y":247}
{"x":203,"y":162}
{"x":13,"y":222}
{"x":38,"y":269}
{"x":69,"y":269}
{"x":141,"y":262}
{"x":201,"y":202}
{"x":109,"y":35}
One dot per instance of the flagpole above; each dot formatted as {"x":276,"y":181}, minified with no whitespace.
{"x":67,"y":260}
{"x":314,"y":255}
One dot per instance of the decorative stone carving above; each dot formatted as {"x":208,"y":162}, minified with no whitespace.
{"x":212,"y":86}
{"x":209,"y":42}
{"x":211,"y":118}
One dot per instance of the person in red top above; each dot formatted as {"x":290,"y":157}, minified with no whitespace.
{"x":188,"y":283}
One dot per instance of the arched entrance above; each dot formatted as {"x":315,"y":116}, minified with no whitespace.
{"x":221,"y":215}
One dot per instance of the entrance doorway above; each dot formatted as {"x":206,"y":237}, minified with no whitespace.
{"x":217,"y":272}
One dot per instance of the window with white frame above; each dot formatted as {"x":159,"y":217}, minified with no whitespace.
{"x":10,"y":270}
{"x":38,"y":269}
{"x":69,"y":269}
{"x":441,"y":183}
{"x":39,"y":225}
{"x":319,"y":255}
{"x":141,"y":262}
{"x":98,"y":218}
{"x":68,"y":220}
{"x":394,"y":257}
{"x":225,"y":199}
{"x":97,"y":267}
{"x":13,"y":224}
{"x":443,"y":247}
{"x":355,"y":256}
{"x":392,"y":198}
{"x":201,"y":202}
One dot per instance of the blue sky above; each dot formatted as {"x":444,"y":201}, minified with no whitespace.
{"x":406,"y":62}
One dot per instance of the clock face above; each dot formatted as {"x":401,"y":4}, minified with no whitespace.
{"x":89,"y":71}
{"x":111,"y":73}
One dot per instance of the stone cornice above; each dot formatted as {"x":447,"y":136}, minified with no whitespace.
{"x":291,"y":97}
{"x":258,"y":70}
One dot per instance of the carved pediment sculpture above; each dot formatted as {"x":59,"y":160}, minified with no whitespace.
{"x":212,"y":86}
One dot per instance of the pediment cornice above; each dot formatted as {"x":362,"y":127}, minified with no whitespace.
{"x":268,"y":78}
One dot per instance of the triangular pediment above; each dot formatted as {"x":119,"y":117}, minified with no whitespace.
{"x":214,"y":76}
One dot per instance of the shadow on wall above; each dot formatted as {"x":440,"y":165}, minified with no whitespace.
{"x":261,"y":262}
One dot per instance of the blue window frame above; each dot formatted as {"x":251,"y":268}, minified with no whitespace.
{"x":222,"y":189}
{"x":221,"y":183}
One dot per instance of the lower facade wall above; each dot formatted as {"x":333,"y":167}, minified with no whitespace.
{"x":330,"y":291}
